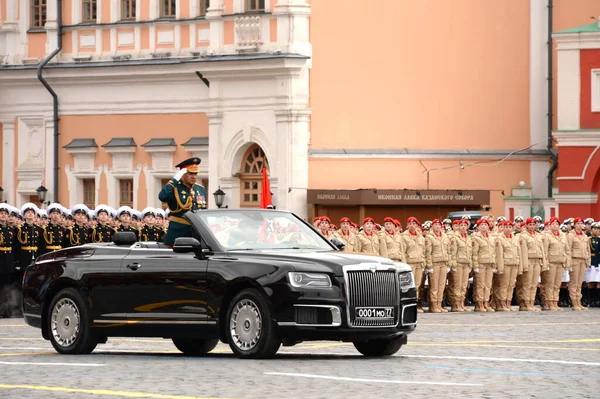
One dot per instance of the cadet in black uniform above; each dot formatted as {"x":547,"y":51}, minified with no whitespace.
{"x":78,"y":233}
{"x":102,"y":232}
{"x":53,"y":235}
{"x":150,"y":232}
{"x":7,"y":259}
{"x":27,"y":245}
{"x":124,"y":214}
{"x":593,"y":273}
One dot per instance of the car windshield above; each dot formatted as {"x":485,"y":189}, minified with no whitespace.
{"x":261,"y":229}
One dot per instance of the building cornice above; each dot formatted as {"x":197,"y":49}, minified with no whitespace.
{"x":576,"y":198}
{"x":577,"y":138}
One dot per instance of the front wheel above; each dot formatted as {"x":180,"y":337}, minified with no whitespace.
{"x":195,"y":347}
{"x":69,"y":324}
{"x":250,"y":329}
{"x":379,"y":347}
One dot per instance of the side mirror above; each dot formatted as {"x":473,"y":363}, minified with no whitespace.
{"x":186,"y":244}
{"x":338,"y":243}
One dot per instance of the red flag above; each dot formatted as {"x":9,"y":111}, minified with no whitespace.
{"x":265,"y":198}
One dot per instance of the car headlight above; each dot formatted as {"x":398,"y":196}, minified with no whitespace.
{"x":309,"y":280}
{"x":407,"y":280}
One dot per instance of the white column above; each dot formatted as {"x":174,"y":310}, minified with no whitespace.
{"x":215,"y":127}
{"x":194,"y":8}
{"x":293,"y":29}
{"x":49,"y":158}
{"x":568,"y":81}
{"x":51,"y":26}
{"x":115,"y":10}
{"x":9,"y":41}
{"x":538,"y":67}
{"x":8,"y":160}
{"x":99,"y":10}
{"x":138,"y":10}
{"x":76,"y":11}
{"x":213,"y":14}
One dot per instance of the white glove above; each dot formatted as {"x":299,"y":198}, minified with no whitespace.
{"x":179,"y":174}
{"x":448,"y":270}
{"x":428,"y":271}
{"x":476,"y":270}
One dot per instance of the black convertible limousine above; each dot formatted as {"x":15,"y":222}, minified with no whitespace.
{"x":254,"y":278}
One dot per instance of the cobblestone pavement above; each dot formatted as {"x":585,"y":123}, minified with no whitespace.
{"x":516,"y":354}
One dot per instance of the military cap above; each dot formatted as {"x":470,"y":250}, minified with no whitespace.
{"x":345,"y":220}
{"x":5,"y":207}
{"x":447,"y":221}
{"x":191,"y":164}
{"x":564,"y":228}
{"x":519,"y":219}
{"x":43,"y":214}
{"x":54,"y":207}
{"x":124,"y":209}
{"x":102,"y":208}
{"x":79,"y":208}
{"x":159,"y":213}
{"x":538,"y":219}
{"x":588,"y":221}
{"x":568,"y":221}
{"x":596,"y":225}
{"x":501,"y":219}
{"x":148,"y":211}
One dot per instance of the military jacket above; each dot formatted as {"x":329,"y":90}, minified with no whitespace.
{"x":414,"y":248}
{"x":486,"y":250}
{"x":180,"y":199}
{"x":461,"y":252}
{"x":437,"y":249}
{"x":595,"y":250}
{"x":131,"y":229}
{"x":7,"y":243}
{"x":532,"y":247}
{"x":151,"y":233}
{"x":76,"y":235}
{"x":370,"y":244}
{"x":511,"y":251}
{"x":53,"y":237}
{"x":558,"y":249}
{"x":580,"y":246}
{"x":28,"y":244}
{"x":349,"y":240}
{"x":394,"y":245}
{"x":101,"y":233}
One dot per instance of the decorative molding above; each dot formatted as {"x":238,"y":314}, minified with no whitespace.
{"x":595,"y":90}
{"x":165,"y":36}
{"x":248,"y":32}
{"x":587,"y":164}
{"x":75,"y":179}
{"x":153,"y":183}
{"x":576,"y":198}
{"x":126,"y":38}
{"x":577,"y":138}
{"x":240,"y":142}
{"x":87,"y":41}
{"x":113,"y":175}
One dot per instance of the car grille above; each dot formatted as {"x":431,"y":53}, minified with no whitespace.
{"x":368,"y":289}
{"x":312,"y":315}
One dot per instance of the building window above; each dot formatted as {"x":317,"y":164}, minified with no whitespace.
{"x":89,"y":193}
{"x":89,"y":11}
{"x":251,"y":177}
{"x":204,"y":4}
{"x":38,"y":13}
{"x":126,"y":192}
{"x":168,"y":8}
{"x":255,"y":5}
{"x":128,"y":9}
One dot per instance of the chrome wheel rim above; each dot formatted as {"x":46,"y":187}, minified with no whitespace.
{"x":245,"y":325}
{"x":65,"y":322}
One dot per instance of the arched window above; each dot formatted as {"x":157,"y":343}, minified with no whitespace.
{"x":251,"y":176}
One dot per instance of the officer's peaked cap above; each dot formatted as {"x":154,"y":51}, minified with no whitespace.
{"x":27,"y":206}
{"x":55,"y":206}
{"x":102,"y":208}
{"x":124,"y":209}
{"x":191,"y":164}
{"x":79,"y":208}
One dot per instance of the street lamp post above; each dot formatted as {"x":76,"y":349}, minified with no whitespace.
{"x":1,"y":194}
{"x":219,"y":198}
{"x":42,"y":192}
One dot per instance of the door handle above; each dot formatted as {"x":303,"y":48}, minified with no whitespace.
{"x":134,"y":266}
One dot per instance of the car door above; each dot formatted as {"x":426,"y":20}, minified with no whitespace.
{"x":164,"y":287}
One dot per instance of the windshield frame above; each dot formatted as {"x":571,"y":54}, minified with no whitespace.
{"x":197,"y":218}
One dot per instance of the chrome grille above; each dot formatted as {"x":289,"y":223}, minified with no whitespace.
{"x":372,"y":289}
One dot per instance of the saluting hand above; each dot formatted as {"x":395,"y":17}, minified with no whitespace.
{"x":180,"y":174}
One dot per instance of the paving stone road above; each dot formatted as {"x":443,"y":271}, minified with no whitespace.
{"x":454,"y":355}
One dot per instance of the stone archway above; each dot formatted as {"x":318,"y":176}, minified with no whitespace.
{"x":253,"y":161}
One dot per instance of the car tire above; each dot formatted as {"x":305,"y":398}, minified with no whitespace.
{"x":250,"y":329}
{"x":379,"y":347}
{"x":69,"y":324}
{"x":195,"y":347}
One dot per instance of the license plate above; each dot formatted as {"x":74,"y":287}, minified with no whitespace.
{"x":373,"y":313}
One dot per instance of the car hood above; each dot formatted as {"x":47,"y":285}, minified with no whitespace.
{"x":323,"y":262}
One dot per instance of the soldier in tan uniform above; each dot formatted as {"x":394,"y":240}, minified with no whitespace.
{"x":346,"y":234}
{"x":534,"y":261}
{"x":392,"y":240}
{"x":513,"y":266}
{"x":487,"y":260}
{"x":461,"y":262}
{"x":580,"y":261}
{"x":414,"y":254}
{"x":559,"y":259}
{"x":368,"y":241}
{"x":437,"y":248}
{"x":325,"y":228}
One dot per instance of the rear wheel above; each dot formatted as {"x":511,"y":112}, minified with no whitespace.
{"x":195,"y":347}
{"x":250,"y":329}
{"x":69,"y":324}
{"x":379,"y":347}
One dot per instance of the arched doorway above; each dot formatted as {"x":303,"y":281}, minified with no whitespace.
{"x":251,"y":176}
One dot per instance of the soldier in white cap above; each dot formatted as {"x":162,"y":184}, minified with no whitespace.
{"x":124,"y":214}
{"x":102,"y":232}
{"x":77,"y":234}
{"x":151,"y":232}
{"x":53,"y":235}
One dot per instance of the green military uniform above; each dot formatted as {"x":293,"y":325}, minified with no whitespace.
{"x":181,"y":198}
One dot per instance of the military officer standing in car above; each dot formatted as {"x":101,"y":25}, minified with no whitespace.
{"x":53,"y":235}
{"x":437,"y":260}
{"x":182,"y":194}
{"x":580,"y":261}
{"x":414,"y":254}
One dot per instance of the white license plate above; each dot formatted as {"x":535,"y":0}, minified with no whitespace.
{"x":373,"y":313}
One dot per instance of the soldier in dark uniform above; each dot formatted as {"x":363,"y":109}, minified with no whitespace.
{"x":27,"y":245}
{"x":588,"y":222}
{"x":592,"y":275}
{"x":7,"y":259}
{"x":53,"y":235}
{"x":182,"y":194}
{"x":150,"y":232}
{"x":77,"y":234}
{"x":102,"y":232}
{"x":124,"y":213}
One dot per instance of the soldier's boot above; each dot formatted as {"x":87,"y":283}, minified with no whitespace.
{"x":442,"y":307}
{"x":523,"y":306}
{"x":455,"y":306}
{"x":546,"y":306}
{"x":582,"y":306}
{"x":532,"y":306}
{"x":556,"y":307}
{"x":575,"y":305}
{"x":509,"y":306}
{"x":501,"y":306}
{"x":487,"y":306}
{"x":433,"y":308}
{"x":479,"y":307}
